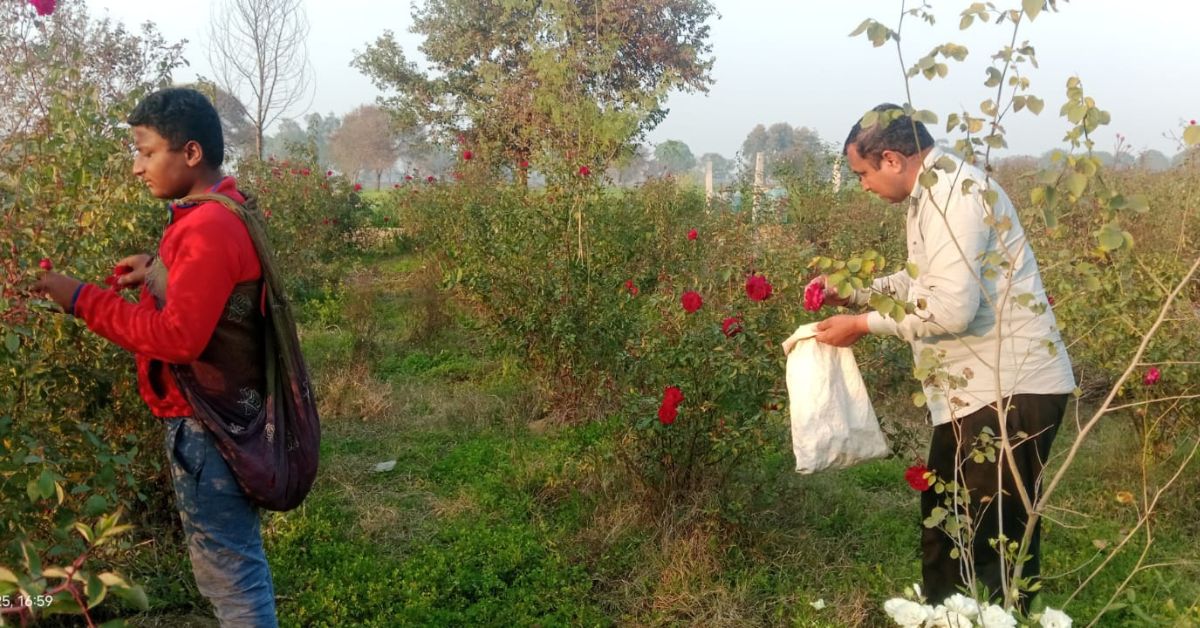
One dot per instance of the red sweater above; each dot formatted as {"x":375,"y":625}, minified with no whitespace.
{"x":207,"y":251}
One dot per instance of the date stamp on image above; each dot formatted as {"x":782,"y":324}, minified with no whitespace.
{"x":25,"y":601}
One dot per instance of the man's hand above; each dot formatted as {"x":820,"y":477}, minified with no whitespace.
{"x":831,"y":293}
{"x":842,"y":330}
{"x":60,"y":288}
{"x":138,"y":264}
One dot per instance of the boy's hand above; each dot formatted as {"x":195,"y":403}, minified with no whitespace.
{"x":831,"y":293}
{"x":60,"y":288}
{"x":138,"y":265}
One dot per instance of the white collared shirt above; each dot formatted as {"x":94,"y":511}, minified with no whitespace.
{"x":962,"y":290}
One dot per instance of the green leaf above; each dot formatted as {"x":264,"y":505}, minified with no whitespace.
{"x":927,"y":179}
{"x":861,"y":28}
{"x":95,"y":591}
{"x":1034,"y":104}
{"x":1138,"y":203}
{"x":936,"y":517}
{"x":1191,"y":135}
{"x":918,"y":399}
{"x":1076,"y":184}
{"x":946,"y":164}
{"x":12,"y":342}
{"x":1032,"y":8}
{"x":45,"y":484}
{"x":134,"y":595}
{"x":1111,"y":237}
{"x":926,"y":116}
{"x":912,"y":269}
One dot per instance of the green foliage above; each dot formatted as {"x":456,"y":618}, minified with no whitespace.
{"x":556,"y":83}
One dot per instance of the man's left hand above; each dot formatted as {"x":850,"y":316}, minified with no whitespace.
{"x":842,"y":330}
{"x":60,"y":288}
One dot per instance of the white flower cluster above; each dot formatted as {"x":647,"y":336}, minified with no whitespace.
{"x":960,"y":611}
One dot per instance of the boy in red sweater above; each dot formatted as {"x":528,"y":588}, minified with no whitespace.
{"x":204,"y":253}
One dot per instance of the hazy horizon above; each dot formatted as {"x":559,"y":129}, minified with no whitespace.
{"x":777,"y":61}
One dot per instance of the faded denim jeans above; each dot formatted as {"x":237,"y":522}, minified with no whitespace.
{"x":222,"y":528}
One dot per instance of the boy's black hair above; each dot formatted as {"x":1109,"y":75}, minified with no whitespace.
{"x":897,"y":136}
{"x":182,"y":115}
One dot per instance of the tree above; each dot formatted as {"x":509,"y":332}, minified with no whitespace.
{"x":258,"y":50}
{"x":310,"y":141}
{"x":1153,"y":161}
{"x":795,"y":151}
{"x":365,"y":142}
{"x":236,"y":124}
{"x":558,"y":83}
{"x":722,"y":167}
{"x":673,"y":157}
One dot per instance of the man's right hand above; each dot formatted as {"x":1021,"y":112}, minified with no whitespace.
{"x":139,"y":264}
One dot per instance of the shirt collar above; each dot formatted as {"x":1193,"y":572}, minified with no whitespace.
{"x":223,"y":186}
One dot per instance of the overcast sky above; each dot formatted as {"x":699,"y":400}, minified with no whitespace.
{"x":791,"y":61}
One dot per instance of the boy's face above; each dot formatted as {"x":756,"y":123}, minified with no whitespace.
{"x":168,"y":173}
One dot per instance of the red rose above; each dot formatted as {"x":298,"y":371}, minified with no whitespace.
{"x":1152,"y":376}
{"x":430,"y":179}
{"x":918,"y":477}
{"x":731,"y":326}
{"x":357,"y":187}
{"x":758,"y":288}
{"x":691,"y":301}
{"x":667,"y":414}
{"x":325,"y":221}
{"x":467,"y":155}
{"x":43,"y":7}
{"x":1193,"y":123}
{"x":329,"y":173}
{"x":267,"y":213}
{"x":111,"y":281}
{"x":814,"y":295}
{"x":672,"y":396}
{"x":524,"y":164}
{"x":584,"y":171}
{"x":396,"y":185}
{"x":46,"y":264}
{"x":631,"y":287}
{"x":692,"y":235}
{"x":408,"y":177}
{"x":1050,"y":300}
{"x":306,"y":172}
{"x":122,"y":270}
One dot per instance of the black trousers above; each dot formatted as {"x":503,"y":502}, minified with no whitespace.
{"x":1037,"y":416}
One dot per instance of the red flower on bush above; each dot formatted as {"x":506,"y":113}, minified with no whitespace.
{"x":267,"y":213}
{"x":357,"y":187}
{"x":325,"y":221}
{"x":584,"y":171}
{"x":758,"y":288}
{"x":43,"y":7}
{"x":918,"y":477}
{"x":1050,"y":300}
{"x":396,"y":186}
{"x":692,"y":235}
{"x":408,"y":177}
{"x":1193,"y":123}
{"x":1152,"y":376}
{"x":691,"y":301}
{"x":467,"y":155}
{"x":731,"y":326}
{"x":524,"y":165}
{"x":46,"y":264}
{"x":430,"y":179}
{"x":669,"y":409}
{"x":306,"y":172}
{"x":633,"y":290}
{"x":329,"y":173}
{"x":814,"y":295}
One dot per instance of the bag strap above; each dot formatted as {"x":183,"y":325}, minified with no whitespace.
{"x":278,"y":310}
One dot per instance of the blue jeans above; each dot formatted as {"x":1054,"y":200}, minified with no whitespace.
{"x":222,"y":529}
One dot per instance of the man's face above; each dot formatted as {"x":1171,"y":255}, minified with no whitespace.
{"x":168,"y":173}
{"x":889,"y":181}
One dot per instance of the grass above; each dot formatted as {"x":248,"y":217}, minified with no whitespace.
{"x":485,"y":521}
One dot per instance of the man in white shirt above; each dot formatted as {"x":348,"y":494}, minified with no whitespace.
{"x":984,"y":340}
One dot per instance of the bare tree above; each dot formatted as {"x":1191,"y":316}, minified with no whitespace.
{"x":366,"y":142}
{"x":258,"y":50}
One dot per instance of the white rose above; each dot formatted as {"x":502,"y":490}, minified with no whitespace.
{"x":943,"y":617}
{"x":1053,"y":618}
{"x":906,"y":612}
{"x":996,"y":617}
{"x":963,"y":605}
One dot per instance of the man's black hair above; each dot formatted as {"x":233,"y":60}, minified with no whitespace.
{"x":182,"y":115}
{"x":896,"y":135}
